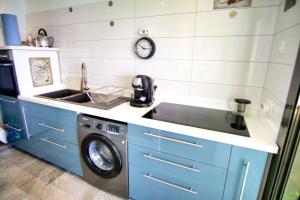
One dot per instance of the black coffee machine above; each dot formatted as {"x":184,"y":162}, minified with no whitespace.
{"x":144,"y":89}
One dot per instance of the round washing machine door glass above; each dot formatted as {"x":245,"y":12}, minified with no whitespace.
{"x":101,"y":156}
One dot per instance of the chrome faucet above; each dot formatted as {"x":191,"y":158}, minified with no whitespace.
{"x":83,"y":86}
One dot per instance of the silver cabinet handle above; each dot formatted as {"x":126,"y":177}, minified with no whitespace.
{"x":173,"y":140}
{"x":51,"y":127}
{"x":13,"y":128}
{"x":8,"y":101}
{"x":25,"y":122}
{"x":247,"y":165}
{"x":5,"y":64}
{"x":171,"y":163}
{"x":3,"y":56}
{"x":187,"y":189}
{"x":59,"y":145}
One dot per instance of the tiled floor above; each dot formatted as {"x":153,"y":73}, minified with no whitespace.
{"x":23,"y":177}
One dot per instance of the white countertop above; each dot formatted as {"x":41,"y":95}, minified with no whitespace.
{"x":259,"y":138}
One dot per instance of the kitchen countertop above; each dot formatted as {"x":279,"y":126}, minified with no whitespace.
{"x":259,"y":138}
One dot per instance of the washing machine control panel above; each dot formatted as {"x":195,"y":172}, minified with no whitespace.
{"x":98,"y":126}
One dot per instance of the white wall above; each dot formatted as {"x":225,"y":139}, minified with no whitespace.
{"x":16,"y":7}
{"x":280,"y":68}
{"x":201,"y":52}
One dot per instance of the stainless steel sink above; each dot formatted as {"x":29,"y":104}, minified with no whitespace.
{"x":60,"y":94}
{"x":79,"y":98}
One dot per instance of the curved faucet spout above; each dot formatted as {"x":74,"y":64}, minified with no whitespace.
{"x":83,"y":86}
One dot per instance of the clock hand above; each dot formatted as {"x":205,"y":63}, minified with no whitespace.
{"x":144,"y":48}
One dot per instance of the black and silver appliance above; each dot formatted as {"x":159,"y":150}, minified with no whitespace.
{"x":103,"y":146}
{"x":144,"y":89}
{"x":8,"y":78}
{"x":207,"y":118}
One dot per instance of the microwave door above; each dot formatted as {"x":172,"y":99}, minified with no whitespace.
{"x":8,"y":82}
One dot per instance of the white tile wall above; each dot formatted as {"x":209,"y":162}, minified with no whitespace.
{"x":231,"y":73}
{"x":199,"y":51}
{"x":122,"y":29}
{"x":282,"y":59}
{"x":180,"y":25}
{"x":121,"y":9}
{"x":227,"y":92}
{"x":174,"y":48}
{"x":158,"y":7}
{"x":260,"y":21}
{"x":233,"y":48}
{"x":71,"y":32}
{"x":117,"y":67}
{"x":112,"y":48}
{"x":285,"y":46}
{"x":289,"y":18}
{"x":165,"y":69}
{"x":278,"y":80}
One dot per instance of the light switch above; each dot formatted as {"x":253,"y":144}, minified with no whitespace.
{"x":281,"y":47}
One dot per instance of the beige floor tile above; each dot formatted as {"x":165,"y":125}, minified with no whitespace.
{"x":24,"y":177}
{"x":11,"y":192}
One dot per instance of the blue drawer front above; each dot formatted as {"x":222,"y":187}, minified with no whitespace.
{"x":57,"y":130}
{"x":60,"y":153}
{"x":237,"y":173}
{"x":206,"y":180}
{"x":30,"y":146}
{"x":167,"y":183}
{"x":213,"y":153}
{"x":52,"y":114}
{"x":11,"y":111}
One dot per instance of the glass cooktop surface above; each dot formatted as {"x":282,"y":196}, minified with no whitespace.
{"x":206,"y":118}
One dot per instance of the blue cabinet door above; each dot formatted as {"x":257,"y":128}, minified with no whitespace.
{"x":54,"y":134}
{"x":12,"y":118}
{"x":245,"y":174}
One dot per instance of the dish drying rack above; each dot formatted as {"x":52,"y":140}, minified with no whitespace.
{"x":106,"y":94}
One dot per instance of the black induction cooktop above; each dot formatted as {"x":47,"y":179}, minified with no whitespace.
{"x":206,"y":118}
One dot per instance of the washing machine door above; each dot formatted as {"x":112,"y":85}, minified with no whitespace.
{"x":101,"y":156}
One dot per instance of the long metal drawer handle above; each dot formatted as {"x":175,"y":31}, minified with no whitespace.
{"x":173,"y":140}
{"x":25,"y":122}
{"x":51,"y":127}
{"x":187,"y":189}
{"x":5,"y":64}
{"x":9,"y":101}
{"x":3,"y":56}
{"x":172,"y":163}
{"x":247,"y":165}
{"x":13,"y":128}
{"x":59,"y":145}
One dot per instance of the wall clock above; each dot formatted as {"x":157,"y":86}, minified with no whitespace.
{"x":144,"y":48}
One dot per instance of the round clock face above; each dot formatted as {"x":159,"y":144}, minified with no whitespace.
{"x":145,"y":48}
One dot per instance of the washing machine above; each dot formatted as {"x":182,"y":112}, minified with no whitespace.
{"x":103,"y":146}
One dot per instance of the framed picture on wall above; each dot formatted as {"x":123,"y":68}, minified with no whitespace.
{"x":41,"y":71}
{"x":222,"y":4}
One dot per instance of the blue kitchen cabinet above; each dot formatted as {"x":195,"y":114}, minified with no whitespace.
{"x":164,"y":165}
{"x":12,"y":118}
{"x":245,"y":174}
{"x":196,"y":149}
{"x":50,"y":133}
{"x":157,"y":175}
